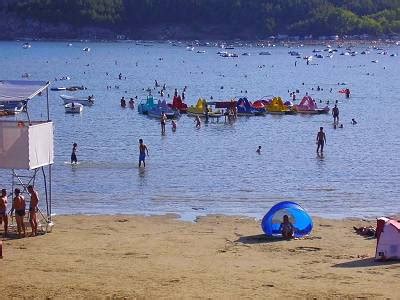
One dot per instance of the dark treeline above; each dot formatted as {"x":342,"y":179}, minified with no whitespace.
{"x":259,"y":17}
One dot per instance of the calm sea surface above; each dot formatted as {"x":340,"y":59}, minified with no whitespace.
{"x":215,"y":169}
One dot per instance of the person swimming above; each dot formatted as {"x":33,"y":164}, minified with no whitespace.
{"x":353,"y":122}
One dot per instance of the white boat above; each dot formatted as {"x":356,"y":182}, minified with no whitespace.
{"x":26,"y":46}
{"x":73,"y":108}
{"x":87,"y":49}
{"x":84,"y":101}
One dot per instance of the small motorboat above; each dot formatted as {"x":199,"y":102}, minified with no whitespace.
{"x":26,"y":46}
{"x":73,"y":108}
{"x":264,"y":53}
{"x":86,"y":49}
{"x":58,"y":89}
{"x":89,"y":101}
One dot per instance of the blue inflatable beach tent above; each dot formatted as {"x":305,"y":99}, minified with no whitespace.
{"x":300,"y":219}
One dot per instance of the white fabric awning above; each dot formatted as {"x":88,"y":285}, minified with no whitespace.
{"x":20,"y":90}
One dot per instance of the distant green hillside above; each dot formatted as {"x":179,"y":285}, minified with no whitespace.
{"x":255,"y":17}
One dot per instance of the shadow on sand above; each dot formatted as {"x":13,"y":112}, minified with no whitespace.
{"x":259,"y":239}
{"x":365,"y":262}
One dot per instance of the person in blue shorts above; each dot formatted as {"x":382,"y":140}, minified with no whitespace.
{"x":143,"y":151}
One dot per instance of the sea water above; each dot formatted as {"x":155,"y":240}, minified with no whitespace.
{"x":215,"y":169}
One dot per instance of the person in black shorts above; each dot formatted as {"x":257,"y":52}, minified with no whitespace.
{"x":19,"y":206}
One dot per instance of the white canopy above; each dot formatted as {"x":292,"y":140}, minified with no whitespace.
{"x":20,"y":90}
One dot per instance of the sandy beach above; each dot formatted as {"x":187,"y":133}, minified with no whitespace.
{"x":216,"y":257}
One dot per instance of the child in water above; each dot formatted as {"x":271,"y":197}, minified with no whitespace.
{"x":259,"y":150}
{"x":286,"y":228}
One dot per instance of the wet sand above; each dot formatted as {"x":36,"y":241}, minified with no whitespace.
{"x":216,"y":257}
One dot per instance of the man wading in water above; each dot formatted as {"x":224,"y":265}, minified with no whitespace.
{"x":321,"y":139}
{"x":142,"y":153}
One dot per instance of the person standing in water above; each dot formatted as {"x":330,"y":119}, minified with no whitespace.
{"x":163,"y":121}
{"x":258,"y":150}
{"x":321,"y":139}
{"x":143,"y":151}
{"x":74,"y":159}
{"x":33,"y":208}
{"x":335,"y":114}
{"x":173,"y":123}
{"x":198,"y":122}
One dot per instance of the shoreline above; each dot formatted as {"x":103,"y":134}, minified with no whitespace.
{"x":203,"y":42}
{"x":217,"y":256}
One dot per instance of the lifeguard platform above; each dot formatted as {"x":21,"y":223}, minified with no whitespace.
{"x":26,"y":146}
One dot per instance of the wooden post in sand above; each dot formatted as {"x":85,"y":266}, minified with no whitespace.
{"x":1,"y":249}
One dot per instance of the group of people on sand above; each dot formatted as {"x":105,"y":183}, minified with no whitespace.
{"x":19,"y":207}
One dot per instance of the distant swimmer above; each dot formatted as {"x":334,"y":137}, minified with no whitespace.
{"x":258,"y":150}
{"x":123,"y":102}
{"x":353,"y":122}
{"x":321,"y":139}
{"x":74,"y":159}
{"x":131,"y":103}
{"x":176,"y":93}
{"x":335,"y":114}
{"x":143,"y":151}
{"x":347,"y":92}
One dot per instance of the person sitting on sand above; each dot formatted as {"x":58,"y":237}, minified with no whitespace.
{"x":286,"y":228}
{"x":365,"y":231}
